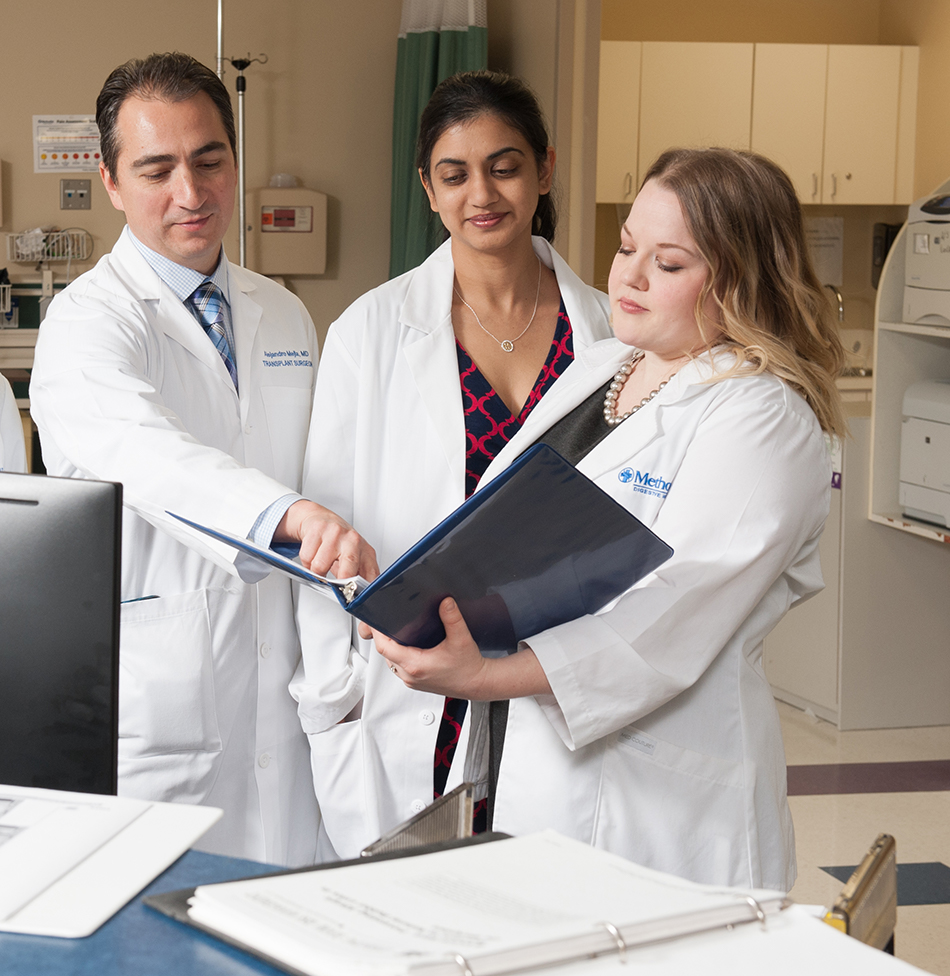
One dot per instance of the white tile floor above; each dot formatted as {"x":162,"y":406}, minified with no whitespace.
{"x":834,"y":830}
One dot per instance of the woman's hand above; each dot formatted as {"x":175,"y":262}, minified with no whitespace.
{"x":455,"y":668}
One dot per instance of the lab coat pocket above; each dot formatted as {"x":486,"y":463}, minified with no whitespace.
{"x":674,"y":809}
{"x":287,"y":409}
{"x":337,"y":761}
{"x":166,"y":681}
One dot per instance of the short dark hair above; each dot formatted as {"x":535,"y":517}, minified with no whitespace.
{"x":467,"y":95}
{"x":172,"y":77}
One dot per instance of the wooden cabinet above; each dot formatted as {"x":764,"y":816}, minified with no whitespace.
{"x":619,"y":121}
{"x":694,"y":94}
{"x":788,"y":114}
{"x":841,"y":119}
{"x":870,"y":650}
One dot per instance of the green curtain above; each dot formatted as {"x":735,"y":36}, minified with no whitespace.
{"x":437,"y":38}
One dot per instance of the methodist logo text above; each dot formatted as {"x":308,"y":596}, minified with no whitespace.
{"x":645,"y":483}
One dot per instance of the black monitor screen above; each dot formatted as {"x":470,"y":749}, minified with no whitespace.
{"x":60,"y":545}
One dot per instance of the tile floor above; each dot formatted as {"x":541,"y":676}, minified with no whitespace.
{"x":837,"y":816}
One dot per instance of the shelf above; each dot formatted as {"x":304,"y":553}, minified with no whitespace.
{"x":938,"y":331}
{"x":907,"y":524}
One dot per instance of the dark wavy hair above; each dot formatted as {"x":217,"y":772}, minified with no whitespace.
{"x":172,"y":77}
{"x":467,"y":95}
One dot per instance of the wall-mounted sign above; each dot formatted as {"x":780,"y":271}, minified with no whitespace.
{"x":65,"y":143}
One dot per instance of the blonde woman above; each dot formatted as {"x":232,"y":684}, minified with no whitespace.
{"x":649,"y":728}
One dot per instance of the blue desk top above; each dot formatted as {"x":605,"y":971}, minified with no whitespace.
{"x":139,"y":941}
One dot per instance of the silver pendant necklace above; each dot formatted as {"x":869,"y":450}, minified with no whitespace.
{"x":617,"y":384}
{"x":508,"y":345}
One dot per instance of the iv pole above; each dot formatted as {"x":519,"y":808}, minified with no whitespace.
{"x":241,"y":84}
{"x":242,"y":64}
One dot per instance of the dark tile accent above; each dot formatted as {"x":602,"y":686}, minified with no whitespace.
{"x":924,"y":883}
{"x":888,"y":777}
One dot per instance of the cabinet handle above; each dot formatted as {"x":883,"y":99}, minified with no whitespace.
{"x":627,"y":184}
{"x":814,"y":186}
{"x":834,"y":186}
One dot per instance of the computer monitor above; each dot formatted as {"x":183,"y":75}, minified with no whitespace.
{"x":60,"y":545}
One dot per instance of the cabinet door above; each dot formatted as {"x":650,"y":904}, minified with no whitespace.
{"x":861,"y":116}
{"x":801,"y":654}
{"x":788,"y":111}
{"x":618,"y":121}
{"x":694,"y":94}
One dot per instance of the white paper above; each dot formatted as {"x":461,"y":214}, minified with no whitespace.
{"x":825,"y":239}
{"x":511,"y":900}
{"x":41,"y":840}
{"x":69,"y":861}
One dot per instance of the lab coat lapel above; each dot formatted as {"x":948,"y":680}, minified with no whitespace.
{"x":246,"y":317}
{"x":589,"y":371}
{"x":164,"y":307}
{"x":431,"y":355}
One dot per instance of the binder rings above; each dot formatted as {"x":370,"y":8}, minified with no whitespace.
{"x":538,"y":546}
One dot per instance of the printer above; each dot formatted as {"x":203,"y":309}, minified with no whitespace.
{"x":927,"y":260}
{"x":925,"y":452}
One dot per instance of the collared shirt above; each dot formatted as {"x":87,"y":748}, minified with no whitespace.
{"x":183,"y":282}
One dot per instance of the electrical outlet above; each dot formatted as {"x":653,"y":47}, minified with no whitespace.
{"x":75,"y":194}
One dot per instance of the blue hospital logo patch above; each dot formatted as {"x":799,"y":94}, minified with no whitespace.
{"x":645,"y":483}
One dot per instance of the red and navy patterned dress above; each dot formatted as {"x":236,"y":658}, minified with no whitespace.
{"x":489,"y":425}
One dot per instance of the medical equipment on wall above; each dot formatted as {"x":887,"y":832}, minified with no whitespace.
{"x":927,"y":260}
{"x":46,"y":244}
{"x":286,"y":229}
{"x":925,"y":452}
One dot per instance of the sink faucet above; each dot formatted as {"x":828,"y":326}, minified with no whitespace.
{"x":840,"y":302}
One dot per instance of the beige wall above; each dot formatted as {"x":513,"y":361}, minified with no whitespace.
{"x":926,"y":23}
{"x":772,"y":21}
{"x":321,"y":108}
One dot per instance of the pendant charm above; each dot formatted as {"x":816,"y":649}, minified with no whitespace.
{"x":508,"y":345}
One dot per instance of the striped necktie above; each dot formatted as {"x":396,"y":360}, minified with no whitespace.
{"x":208,"y":301}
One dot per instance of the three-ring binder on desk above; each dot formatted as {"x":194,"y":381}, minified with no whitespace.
{"x":539,"y":545}
{"x":481,"y":909}
{"x":866,"y":908}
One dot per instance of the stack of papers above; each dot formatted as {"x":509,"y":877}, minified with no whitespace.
{"x":69,"y":861}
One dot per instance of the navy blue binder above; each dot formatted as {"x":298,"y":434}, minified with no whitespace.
{"x":538,"y":546}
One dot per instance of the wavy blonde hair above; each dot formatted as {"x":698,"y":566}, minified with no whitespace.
{"x":745,"y":218}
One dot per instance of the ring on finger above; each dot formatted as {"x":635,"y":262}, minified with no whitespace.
{"x":392,"y":667}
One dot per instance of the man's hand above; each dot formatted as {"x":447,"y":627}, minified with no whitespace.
{"x":327,"y":543}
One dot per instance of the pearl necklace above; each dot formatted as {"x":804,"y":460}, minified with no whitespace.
{"x":613,"y":392}
{"x":507,"y":345}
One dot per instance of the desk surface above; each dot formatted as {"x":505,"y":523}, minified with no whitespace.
{"x":139,"y":940}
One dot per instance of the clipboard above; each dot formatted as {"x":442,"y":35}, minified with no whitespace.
{"x":538,"y":546}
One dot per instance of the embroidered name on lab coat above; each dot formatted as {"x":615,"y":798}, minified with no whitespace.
{"x":288,"y":357}
{"x":645,"y":483}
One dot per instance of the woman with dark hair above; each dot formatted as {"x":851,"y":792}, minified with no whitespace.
{"x":422,"y":382}
{"x":649,"y":728}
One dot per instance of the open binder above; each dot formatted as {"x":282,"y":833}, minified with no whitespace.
{"x":538,"y":546}
{"x":482,"y":909}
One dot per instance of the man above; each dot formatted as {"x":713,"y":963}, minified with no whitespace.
{"x":190,"y":380}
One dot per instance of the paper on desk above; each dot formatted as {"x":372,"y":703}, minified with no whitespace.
{"x":68,"y":861}
{"x":41,"y":840}
{"x":506,"y":905}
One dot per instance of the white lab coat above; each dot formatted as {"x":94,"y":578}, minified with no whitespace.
{"x":12,"y":445}
{"x":661,"y":741}
{"x":126,"y":387}
{"x":387,"y":451}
